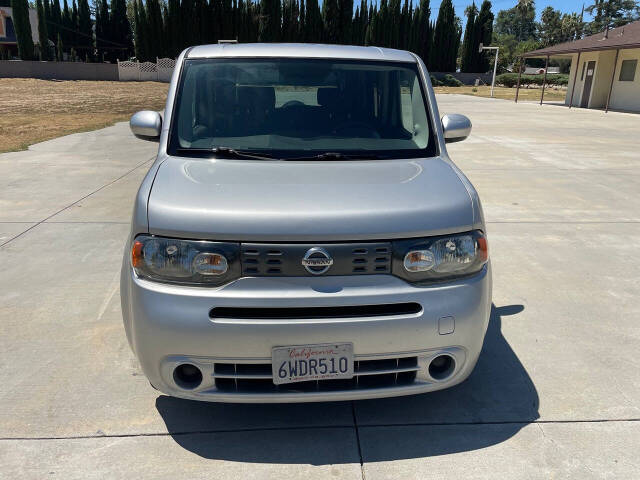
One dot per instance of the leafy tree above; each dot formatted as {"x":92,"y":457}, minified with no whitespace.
{"x":22,"y":28}
{"x":518,"y":21}
{"x":43,"y":36}
{"x":573,"y":26}
{"x":612,"y":13}
{"x":556,"y":27}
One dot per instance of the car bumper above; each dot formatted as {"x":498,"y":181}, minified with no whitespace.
{"x":168,"y":325}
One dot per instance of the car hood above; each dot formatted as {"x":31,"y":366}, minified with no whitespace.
{"x":247,"y":200}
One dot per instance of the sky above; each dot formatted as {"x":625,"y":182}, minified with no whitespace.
{"x":565,"y":6}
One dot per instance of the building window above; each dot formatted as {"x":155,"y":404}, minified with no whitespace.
{"x":584,"y":64}
{"x":628,"y":70}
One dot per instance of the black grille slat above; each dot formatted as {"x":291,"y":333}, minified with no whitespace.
{"x":366,"y":258}
{"x":360,"y":381}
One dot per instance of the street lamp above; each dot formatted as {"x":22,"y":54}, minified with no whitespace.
{"x":495,"y":64}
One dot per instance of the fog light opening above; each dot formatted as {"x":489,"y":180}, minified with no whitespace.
{"x":187,"y":376}
{"x":441,"y":367}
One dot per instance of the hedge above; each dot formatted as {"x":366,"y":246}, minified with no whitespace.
{"x":511,"y":79}
{"x":448,"y":81}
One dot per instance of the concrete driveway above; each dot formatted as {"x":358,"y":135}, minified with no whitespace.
{"x":556,"y":392}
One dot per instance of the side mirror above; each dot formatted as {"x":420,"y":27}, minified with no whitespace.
{"x":456,"y":127}
{"x":146,"y":125}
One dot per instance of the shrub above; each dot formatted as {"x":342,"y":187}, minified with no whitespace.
{"x":511,"y":80}
{"x":507,"y":79}
{"x":451,"y":81}
{"x":435,"y":82}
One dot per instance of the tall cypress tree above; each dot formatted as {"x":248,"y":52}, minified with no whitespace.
{"x":302,"y":34}
{"x":154,"y":30}
{"x":394,"y":24}
{"x":405,"y":25}
{"x":59,"y":49}
{"x":102,"y":29}
{"x":67,"y":27}
{"x":140,"y":20}
{"x":445,"y":39}
{"x":47,"y":13}
{"x":345,"y":9}
{"x":56,"y":20}
{"x":120,"y":27}
{"x":73,"y":34}
{"x":22,"y":27}
{"x":424,"y":32}
{"x":270,"y":21}
{"x":85,"y":31}
{"x":173,"y":28}
{"x":332,"y":21}
{"x":456,"y":47}
{"x":483,"y":30}
{"x":314,"y":22}
{"x":371,"y":32}
{"x":43,"y":36}
{"x":287,"y":34}
{"x":469,"y":48}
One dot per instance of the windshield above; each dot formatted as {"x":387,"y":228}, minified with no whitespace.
{"x":290,"y":108}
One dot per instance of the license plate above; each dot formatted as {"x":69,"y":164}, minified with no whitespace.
{"x":311,"y":362}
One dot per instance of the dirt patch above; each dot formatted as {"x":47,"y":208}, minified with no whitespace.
{"x":506,"y":93}
{"x":32,"y":111}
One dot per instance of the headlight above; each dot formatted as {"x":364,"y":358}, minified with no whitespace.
{"x":185,"y":261}
{"x":439,"y":258}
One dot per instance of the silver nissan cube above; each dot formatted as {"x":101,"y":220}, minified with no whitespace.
{"x":303,"y":234}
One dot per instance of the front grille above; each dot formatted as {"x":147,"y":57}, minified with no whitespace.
{"x":273,"y":260}
{"x":296,"y":313}
{"x":368,"y":374}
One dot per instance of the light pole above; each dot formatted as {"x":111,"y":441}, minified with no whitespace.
{"x":495,"y":64}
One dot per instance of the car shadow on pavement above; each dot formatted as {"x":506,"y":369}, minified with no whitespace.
{"x":492,"y":405}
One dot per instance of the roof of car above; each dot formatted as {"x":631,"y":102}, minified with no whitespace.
{"x":299,"y":50}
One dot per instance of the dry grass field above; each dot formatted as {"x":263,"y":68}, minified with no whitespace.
{"x":32,"y":111}
{"x":526,"y":94}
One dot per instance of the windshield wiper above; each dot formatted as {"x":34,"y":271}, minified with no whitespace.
{"x":226,"y":152}
{"x":340,"y":156}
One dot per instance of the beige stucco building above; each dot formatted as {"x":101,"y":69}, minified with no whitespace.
{"x":605,"y":68}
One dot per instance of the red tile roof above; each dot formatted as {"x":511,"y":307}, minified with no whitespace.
{"x":627,"y":36}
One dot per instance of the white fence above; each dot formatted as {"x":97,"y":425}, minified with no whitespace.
{"x":160,"y":71}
